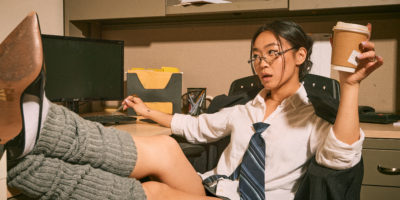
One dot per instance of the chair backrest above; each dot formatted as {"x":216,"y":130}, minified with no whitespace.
{"x":252,"y":83}
{"x":321,"y":83}
{"x":244,"y":85}
{"x":241,"y":91}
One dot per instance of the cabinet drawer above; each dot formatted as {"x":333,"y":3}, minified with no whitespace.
{"x":376,"y":192}
{"x":320,"y":4}
{"x":384,"y":158}
{"x":235,"y":6}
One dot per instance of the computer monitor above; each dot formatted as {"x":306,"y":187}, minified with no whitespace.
{"x":82,"y":69}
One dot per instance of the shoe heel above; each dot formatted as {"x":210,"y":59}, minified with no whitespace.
{"x":21,"y":62}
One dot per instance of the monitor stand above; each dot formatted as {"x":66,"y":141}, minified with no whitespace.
{"x":72,"y":105}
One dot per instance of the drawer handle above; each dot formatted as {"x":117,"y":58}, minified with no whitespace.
{"x":389,"y":171}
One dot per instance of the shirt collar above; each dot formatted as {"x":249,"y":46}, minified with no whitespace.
{"x":297,"y":99}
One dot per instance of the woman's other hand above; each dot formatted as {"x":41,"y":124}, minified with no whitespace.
{"x":136,"y":103}
{"x":140,"y":108}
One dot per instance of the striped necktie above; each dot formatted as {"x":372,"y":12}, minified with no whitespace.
{"x":252,"y":168}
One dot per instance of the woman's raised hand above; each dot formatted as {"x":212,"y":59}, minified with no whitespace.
{"x":367,"y":60}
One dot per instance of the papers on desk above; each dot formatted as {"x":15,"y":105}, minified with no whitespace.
{"x":190,"y":2}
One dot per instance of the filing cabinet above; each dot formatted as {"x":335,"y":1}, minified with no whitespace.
{"x":381,"y":169}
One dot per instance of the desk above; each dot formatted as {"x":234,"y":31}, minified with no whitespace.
{"x":137,"y":127}
{"x":370,"y":130}
{"x":143,"y":129}
{"x":382,"y":131}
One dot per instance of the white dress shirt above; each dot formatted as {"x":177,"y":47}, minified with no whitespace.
{"x":295,"y":134}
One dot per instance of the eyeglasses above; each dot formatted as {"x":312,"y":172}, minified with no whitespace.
{"x":269,"y":57}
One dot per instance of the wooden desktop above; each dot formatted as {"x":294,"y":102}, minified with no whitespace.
{"x":380,"y":130}
{"x":372,"y":131}
{"x":142,"y":128}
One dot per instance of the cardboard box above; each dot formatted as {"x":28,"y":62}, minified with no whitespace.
{"x":159,"y":90}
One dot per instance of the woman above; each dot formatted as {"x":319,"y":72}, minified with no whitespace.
{"x":281,"y":56}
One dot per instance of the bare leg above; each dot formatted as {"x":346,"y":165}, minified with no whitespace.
{"x":156,"y":190}
{"x":161,"y":156}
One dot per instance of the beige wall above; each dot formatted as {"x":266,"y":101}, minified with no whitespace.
{"x":50,"y":15}
{"x":213,"y":55}
{"x":208,"y":55}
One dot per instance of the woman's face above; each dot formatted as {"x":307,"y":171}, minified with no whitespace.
{"x":277,"y":66}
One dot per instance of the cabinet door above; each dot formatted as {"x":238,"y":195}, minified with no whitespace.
{"x":106,"y":9}
{"x":235,"y":6}
{"x":318,"y":4}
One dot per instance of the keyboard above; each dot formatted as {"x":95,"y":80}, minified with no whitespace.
{"x":110,"y":119}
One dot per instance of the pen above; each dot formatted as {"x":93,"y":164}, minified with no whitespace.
{"x":120,"y":108}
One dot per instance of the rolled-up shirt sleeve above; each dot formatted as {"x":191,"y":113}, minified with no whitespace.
{"x":335,"y":154}
{"x":203,"y":128}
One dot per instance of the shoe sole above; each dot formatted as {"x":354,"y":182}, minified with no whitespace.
{"x":21,"y":60}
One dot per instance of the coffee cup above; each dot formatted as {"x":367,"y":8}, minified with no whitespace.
{"x":345,"y":45}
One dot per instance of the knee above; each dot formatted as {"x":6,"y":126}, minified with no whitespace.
{"x":155,"y":190}
{"x":169,"y":145}
{"x":170,"y":151}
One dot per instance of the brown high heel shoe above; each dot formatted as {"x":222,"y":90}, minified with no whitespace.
{"x":21,"y":69}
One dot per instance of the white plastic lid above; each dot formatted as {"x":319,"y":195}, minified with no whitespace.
{"x":351,"y":27}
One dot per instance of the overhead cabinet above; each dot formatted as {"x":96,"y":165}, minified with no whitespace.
{"x":173,"y":7}
{"x":82,"y":10}
{"x":321,"y":4}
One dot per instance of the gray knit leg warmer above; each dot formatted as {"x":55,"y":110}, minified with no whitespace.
{"x":67,"y":136}
{"x":42,"y":177}
{"x":77,"y":159}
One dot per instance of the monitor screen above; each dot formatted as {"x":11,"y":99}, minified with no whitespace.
{"x":80,"y":69}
